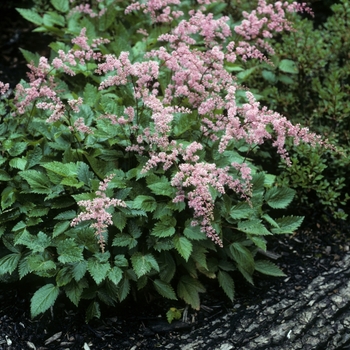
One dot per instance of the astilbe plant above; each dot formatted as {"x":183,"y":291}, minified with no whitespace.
{"x":153,"y":145}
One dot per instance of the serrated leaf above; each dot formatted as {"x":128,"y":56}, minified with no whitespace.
{"x":38,"y":263}
{"x":60,"y":228}
{"x":268,"y":268}
{"x":227,"y":284}
{"x":142,"y":264}
{"x":115,"y":274}
{"x":183,"y":246}
{"x":4,"y":176}
{"x":173,"y":314}
{"x":98,"y":270}
{"x":194,"y":233}
{"x":288,"y":224}
{"x":18,"y":163}
{"x":74,"y":290}
{"x":165,"y":227}
{"x":167,"y":267}
{"x":188,"y":289}
{"x":69,"y":252}
{"x":279,"y":197}
{"x":146,"y":203}
{"x":79,"y":269}
{"x":241,"y":210}
{"x":119,"y":220}
{"x":9,"y":263}
{"x":242,"y":256}
{"x":288,"y":66}
{"x":162,"y":188}
{"x":61,"y":5}
{"x":124,"y":289}
{"x":30,"y":56}
{"x":124,"y":240}
{"x":92,"y":311}
{"x":64,"y":276}
{"x":30,"y":16}
{"x":62,"y":169}
{"x":38,"y":181}
{"x":253,"y":227}
{"x":66,"y":215}
{"x":164,"y":289}
{"x":43,"y":299}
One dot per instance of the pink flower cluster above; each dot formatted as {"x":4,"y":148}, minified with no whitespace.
{"x":199,"y":177}
{"x":96,"y":210}
{"x":4,"y":87}
{"x":42,"y":87}
{"x":159,"y":10}
{"x":87,"y":9}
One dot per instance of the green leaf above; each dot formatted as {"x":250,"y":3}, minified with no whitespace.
{"x":30,"y":16}
{"x":194,"y":233}
{"x":124,"y":289}
{"x":173,"y":314}
{"x":115,"y":274}
{"x":142,"y":264}
{"x":98,"y":270}
{"x":18,"y":163}
{"x":124,"y":240}
{"x":288,"y":224}
{"x":279,"y":197}
{"x":183,"y":246}
{"x":146,"y":203}
{"x":165,"y":227}
{"x":268,"y":268}
{"x":30,"y":57}
{"x":61,"y":5}
{"x":64,"y":276}
{"x":242,"y":256}
{"x":74,"y":290}
{"x":164,"y":289}
{"x":162,"y":188}
{"x":9,"y":263}
{"x":92,"y":311}
{"x":4,"y":176}
{"x":253,"y":227}
{"x":65,"y":170}
{"x":38,"y":181}
{"x":69,"y":252}
{"x":288,"y":66}
{"x":227,"y":284}
{"x":43,"y":299}
{"x":241,"y":210}
{"x":167,"y":267}
{"x":60,"y":228}
{"x":79,"y":269}
{"x":188,"y":289}
{"x":39,"y":263}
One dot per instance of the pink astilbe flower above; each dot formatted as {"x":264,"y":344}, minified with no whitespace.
{"x":159,"y":10}
{"x":199,"y":177}
{"x":262,"y":22}
{"x":4,"y":87}
{"x":86,"y":8}
{"x":96,"y":210}
{"x":42,"y":87}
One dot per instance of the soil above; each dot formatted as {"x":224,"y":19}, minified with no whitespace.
{"x":141,"y":324}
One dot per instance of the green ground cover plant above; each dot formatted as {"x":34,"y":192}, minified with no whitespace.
{"x":129,"y":156}
{"x":309,"y":83}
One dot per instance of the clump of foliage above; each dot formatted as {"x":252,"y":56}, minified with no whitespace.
{"x":309,"y":83}
{"x":128,"y":156}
